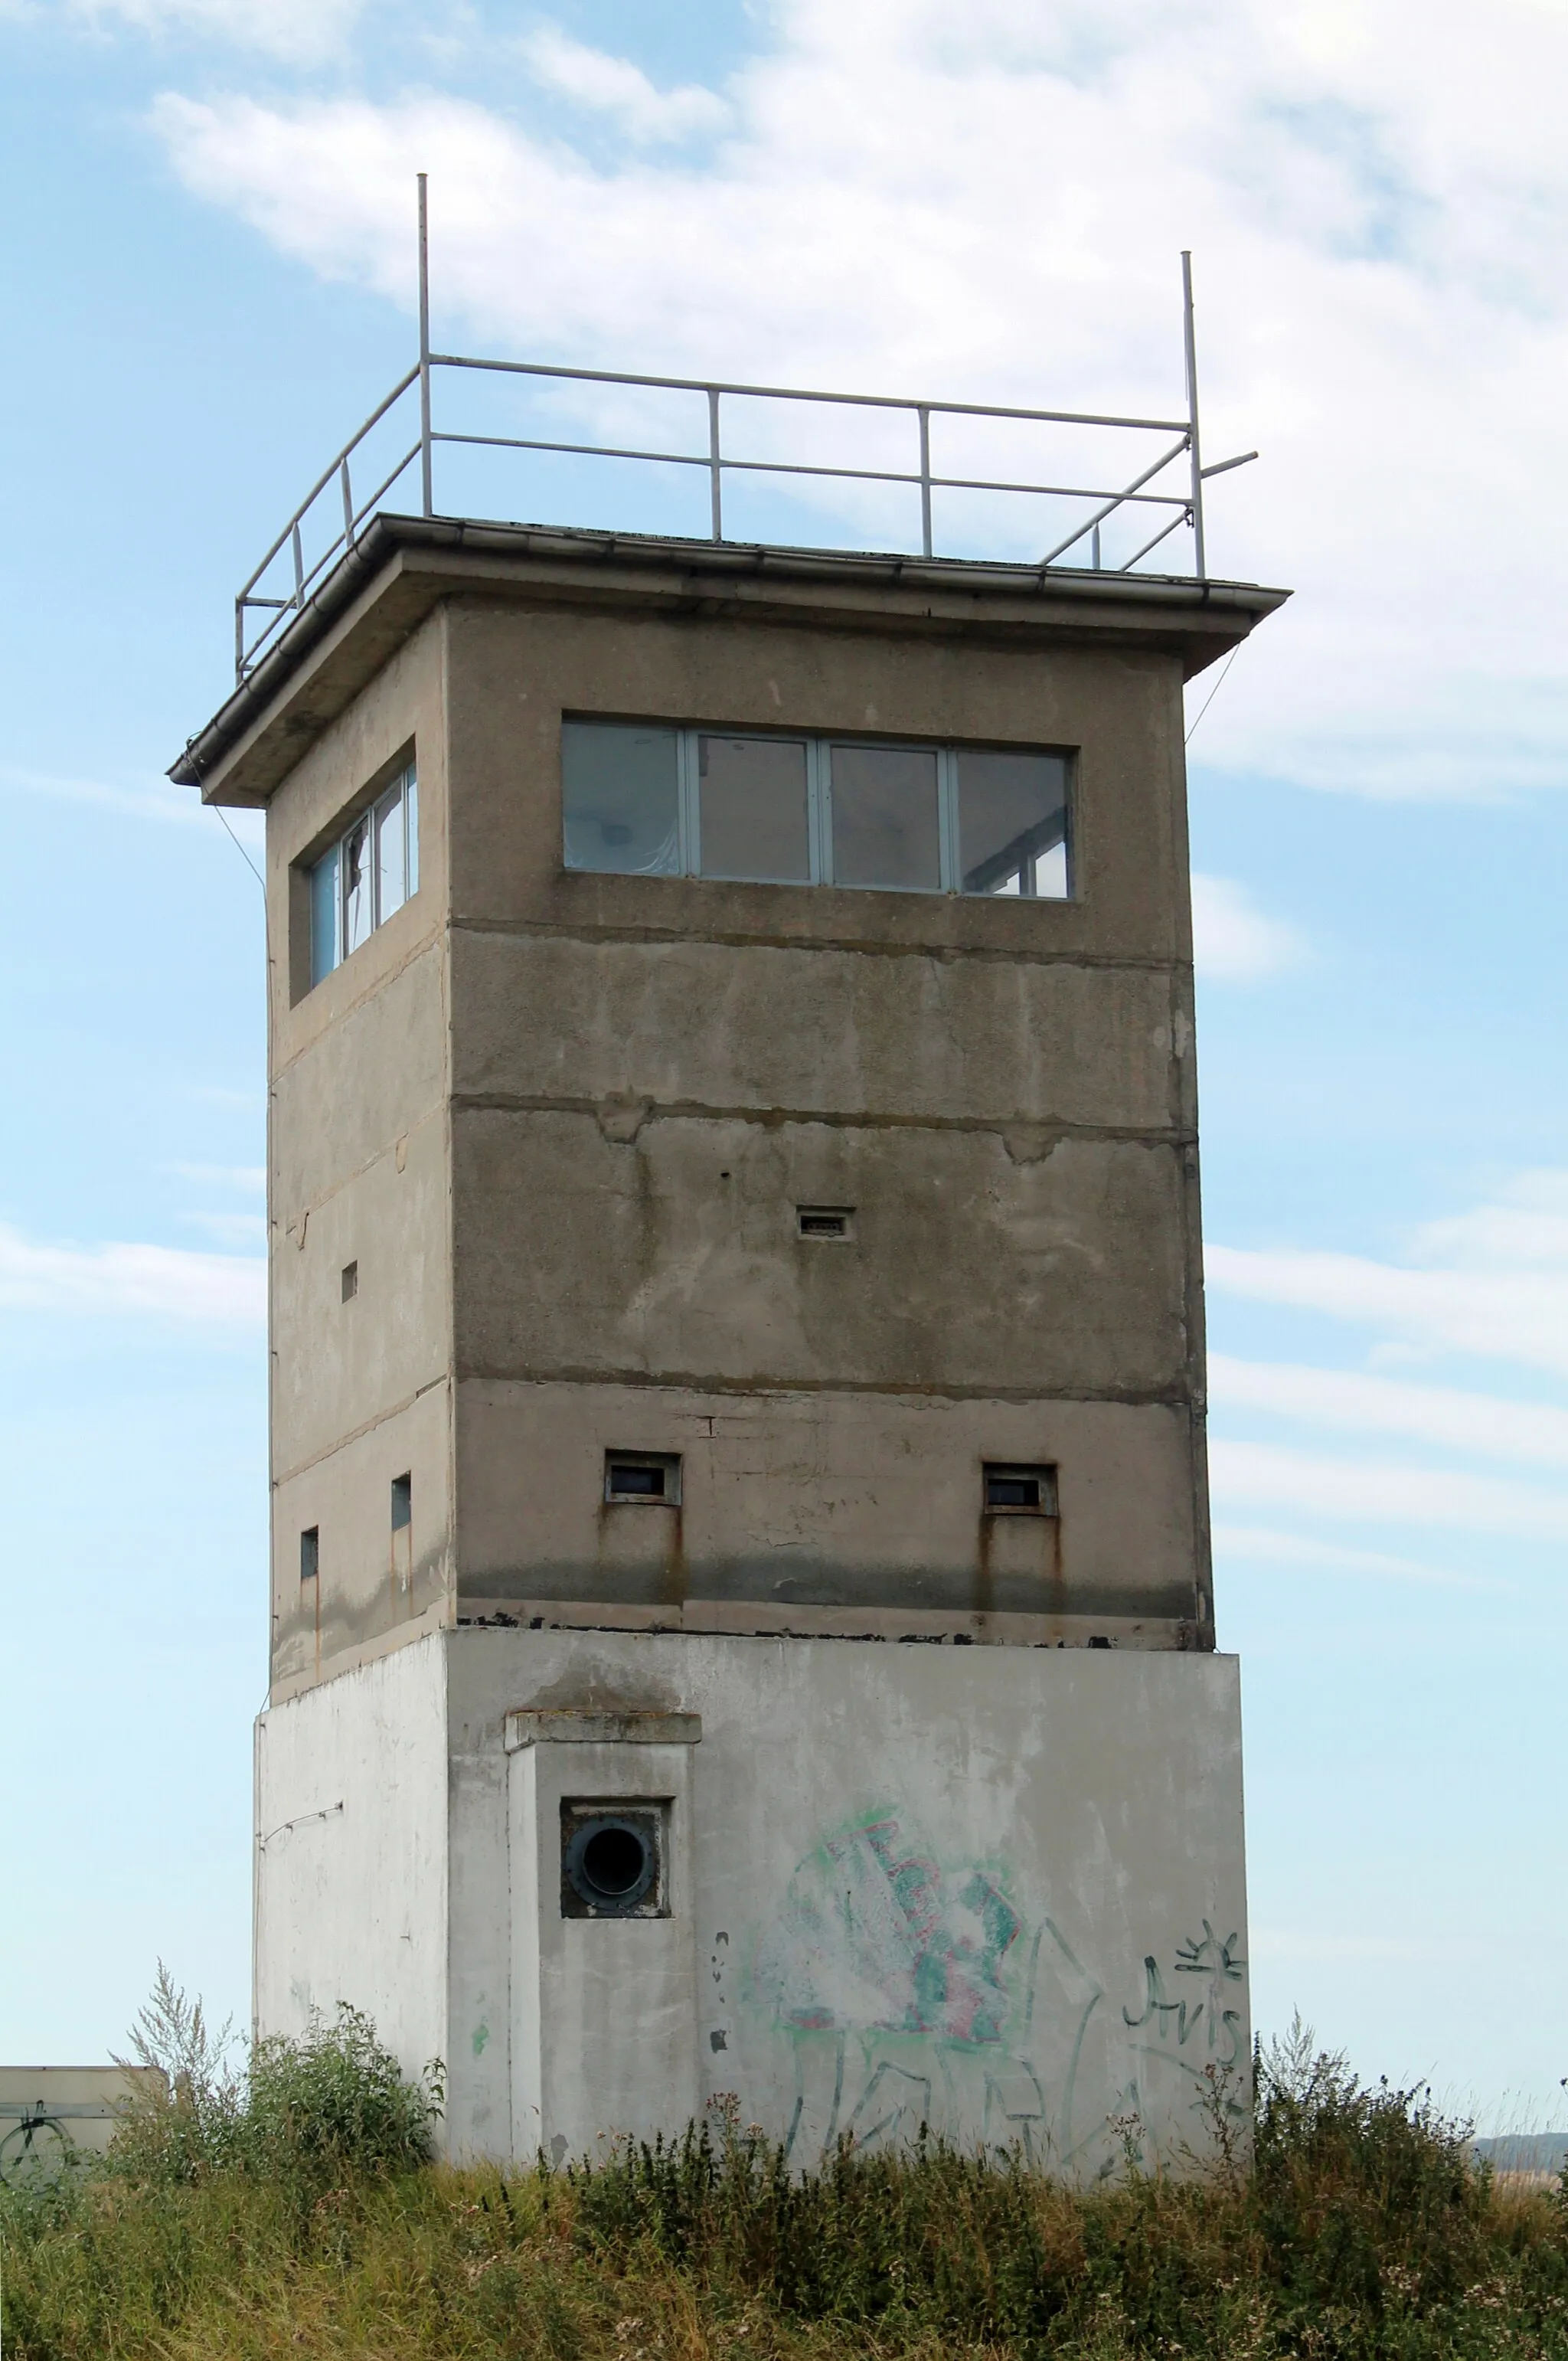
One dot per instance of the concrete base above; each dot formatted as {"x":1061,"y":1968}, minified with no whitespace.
{"x":997,"y":1891}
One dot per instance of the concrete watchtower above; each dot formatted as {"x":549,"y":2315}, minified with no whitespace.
{"x":740,"y":1600}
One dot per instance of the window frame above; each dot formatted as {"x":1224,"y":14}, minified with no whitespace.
{"x":402,"y":780}
{"x":818,"y":745}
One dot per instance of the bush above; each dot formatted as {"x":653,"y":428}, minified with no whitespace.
{"x":324,"y":2107}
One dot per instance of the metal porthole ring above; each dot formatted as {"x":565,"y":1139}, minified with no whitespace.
{"x":611,"y":1862}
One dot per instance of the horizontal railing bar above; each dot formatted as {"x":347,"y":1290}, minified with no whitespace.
{"x":803,"y":468}
{"x":802,"y":393}
{"x":324,"y":478}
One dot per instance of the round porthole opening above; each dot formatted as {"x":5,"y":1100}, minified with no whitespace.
{"x":611,"y":1862}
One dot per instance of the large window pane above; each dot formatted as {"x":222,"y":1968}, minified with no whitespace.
{"x":324,"y":916}
{"x":884,"y":817}
{"x":392,"y":886}
{"x":1012,"y":824}
{"x":619,"y":784}
{"x":357,"y":916}
{"x":752,"y":803}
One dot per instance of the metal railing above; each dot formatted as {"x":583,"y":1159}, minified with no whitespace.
{"x":264,"y":606}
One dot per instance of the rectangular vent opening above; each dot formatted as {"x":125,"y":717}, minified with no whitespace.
{"x":825,"y":1221}
{"x":652,"y":1476}
{"x":309,"y":1553}
{"x":402,"y":1503}
{"x":1020,"y":1491}
{"x":350,"y":1280}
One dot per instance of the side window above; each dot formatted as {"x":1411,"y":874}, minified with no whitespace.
{"x":371,"y":871}
{"x":646,"y":799}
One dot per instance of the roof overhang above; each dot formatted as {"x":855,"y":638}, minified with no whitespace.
{"x":402,"y":567}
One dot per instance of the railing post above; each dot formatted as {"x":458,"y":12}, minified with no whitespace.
{"x":924,"y":411}
{"x":238,"y":641}
{"x":715,"y":464}
{"x":427,"y":490}
{"x":299,"y":567}
{"x":347,"y":508}
{"x":1191,"y":343}
{"x":1095,"y":549}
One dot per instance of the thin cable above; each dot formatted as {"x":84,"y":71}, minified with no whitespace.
{"x":1202,"y":709}
{"x":256,"y":873}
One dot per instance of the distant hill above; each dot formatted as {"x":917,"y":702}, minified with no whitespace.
{"x":1525,"y":2151}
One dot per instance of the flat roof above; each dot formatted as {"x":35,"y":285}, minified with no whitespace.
{"x":400,"y":567}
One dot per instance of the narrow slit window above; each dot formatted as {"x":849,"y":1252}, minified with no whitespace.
{"x":1020,"y":1491}
{"x":350,"y":1280}
{"x":825,"y":1221}
{"x":366,"y":876}
{"x":309,"y":1553}
{"x":642,"y":1475}
{"x":402,"y":1503}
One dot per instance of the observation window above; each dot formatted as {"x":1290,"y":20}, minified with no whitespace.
{"x":642,"y":1475}
{"x":1020,"y":1491}
{"x":371,"y":871}
{"x":770,"y":807}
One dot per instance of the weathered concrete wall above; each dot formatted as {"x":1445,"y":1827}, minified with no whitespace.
{"x":352,"y":1853}
{"x":358,"y":1172}
{"x":1000,"y":1891}
{"x":846,"y":1500}
{"x":651,"y":1075}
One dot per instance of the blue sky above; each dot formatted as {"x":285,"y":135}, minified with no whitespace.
{"x":210,"y":272}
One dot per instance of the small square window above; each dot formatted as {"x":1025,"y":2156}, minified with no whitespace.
{"x":309,"y":1553}
{"x":1020,"y":1491}
{"x":402,"y":1503}
{"x":650,"y":1477}
{"x":350,"y":1280}
{"x":825,"y":1221}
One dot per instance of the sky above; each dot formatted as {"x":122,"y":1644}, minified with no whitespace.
{"x":208,"y":280}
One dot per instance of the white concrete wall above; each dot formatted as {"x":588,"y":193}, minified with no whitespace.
{"x":351,"y":1864}
{"x":998,"y":1890}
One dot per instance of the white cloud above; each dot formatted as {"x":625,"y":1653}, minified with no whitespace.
{"x":1233,"y":941}
{"x":1492,"y":1282}
{"x":986,"y":202}
{"x":1474,"y":1424}
{"x":1341,"y":1491}
{"x":617,"y":88}
{"x":1260,"y":1545}
{"x":162,"y":1281}
{"x":302,"y":32}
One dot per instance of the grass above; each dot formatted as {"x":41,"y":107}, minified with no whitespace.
{"x":295,"y":2216}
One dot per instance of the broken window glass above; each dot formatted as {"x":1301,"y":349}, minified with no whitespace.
{"x":391,"y":868}
{"x":620,"y":793}
{"x":885,"y":828}
{"x":1012,"y":824}
{"x":359,"y":916}
{"x":367,"y":875}
{"x":752,"y":806}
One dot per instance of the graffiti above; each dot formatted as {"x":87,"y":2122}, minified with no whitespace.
{"x":920,"y":1995}
{"x":908,"y":1992}
{"x":1218,"y":1964}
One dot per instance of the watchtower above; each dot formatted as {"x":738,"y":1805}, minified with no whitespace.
{"x":741,"y":1607}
